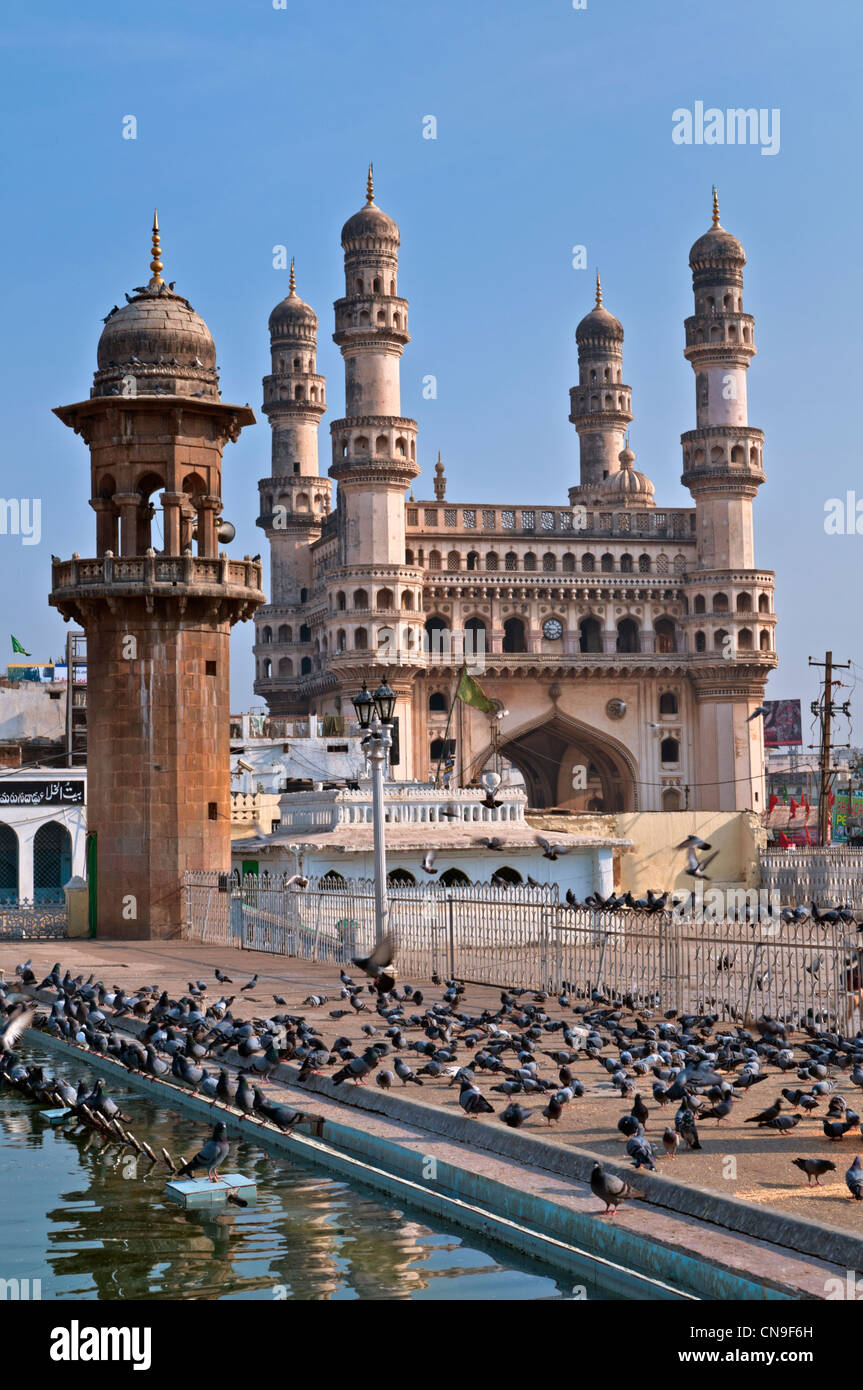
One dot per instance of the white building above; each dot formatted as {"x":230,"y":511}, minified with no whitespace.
{"x":43,"y":833}
{"x":330,"y":832}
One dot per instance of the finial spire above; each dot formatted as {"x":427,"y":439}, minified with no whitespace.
{"x":715,"y":207}
{"x":370,"y":186}
{"x":292,"y":287}
{"x":156,"y":262}
{"x":598,"y":291}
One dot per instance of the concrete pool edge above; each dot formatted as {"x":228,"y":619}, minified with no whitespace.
{"x":537,"y":1227}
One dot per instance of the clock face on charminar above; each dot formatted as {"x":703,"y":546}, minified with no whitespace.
{"x":552,"y":628}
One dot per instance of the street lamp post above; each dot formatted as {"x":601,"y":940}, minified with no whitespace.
{"x":375,"y":713}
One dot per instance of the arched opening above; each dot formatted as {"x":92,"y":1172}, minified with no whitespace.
{"x":8,"y":865}
{"x":671,"y":799}
{"x":333,"y":879}
{"x":667,"y":702}
{"x":720,"y":637}
{"x":453,"y":560}
{"x":572,"y":766}
{"x":590,"y":635}
{"x":438,"y":641}
{"x":434,"y":560}
{"x":669,"y":750}
{"x":514,"y":635}
{"x":266,"y":635}
{"x":306,"y":666}
{"x":744,"y":640}
{"x":699,"y":606}
{"x":454,"y":878}
{"x":384,"y":601}
{"x":606,"y":564}
{"x":744,"y":603}
{"x":286,"y":633}
{"x":361,"y":640}
{"x":305,"y":633}
{"x":407,"y":601}
{"x":530,"y":562}
{"x":588,"y":563}
{"x":627,"y":564}
{"x":700,"y":642}
{"x":568,"y":564}
{"x":764,"y":640}
{"x":52,"y":862}
{"x":438,"y":702}
{"x":505,"y":874}
{"x":549,"y":562}
{"x":472,"y":560}
{"x":763,"y":603}
{"x":644,"y":564}
{"x":396,"y":876}
{"x":720,"y":603}
{"x":361,"y":599}
{"x":627,"y":635}
{"x":664,"y":638}
{"x":341,"y":602}
{"x":491,"y":561}
{"x":286,"y":667}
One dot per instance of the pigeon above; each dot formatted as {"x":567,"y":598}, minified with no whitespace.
{"x":515,"y":1115}
{"x":610,"y":1189}
{"x":428,"y":861}
{"x":491,"y":842}
{"x":379,"y":965}
{"x":695,"y":867}
{"x":214,"y":1152}
{"x":251,"y":984}
{"x":814,"y":1168}
{"x":670,"y":1141}
{"x":836,"y":1129}
{"x":472,"y":1101}
{"x":358,"y":1068}
{"x":223,"y":978}
{"x":640,"y":1152}
{"x":404,"y":1072}
{"x":684,"y":1123}
{"x":757,"y":713}
{"x":550,"y":851}
{"x":854,"y":1178}
{"x":15,"y":1025}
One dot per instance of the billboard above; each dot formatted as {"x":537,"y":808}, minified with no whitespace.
{"x":783,"y":723}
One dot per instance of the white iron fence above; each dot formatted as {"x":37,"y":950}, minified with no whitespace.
{"x":523,"y":937}
{"x":830,"y":877}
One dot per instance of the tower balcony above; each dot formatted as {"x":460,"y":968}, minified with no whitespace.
{"x":80,"y":586}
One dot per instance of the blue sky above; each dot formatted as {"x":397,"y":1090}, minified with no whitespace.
{"x":255,"y":126}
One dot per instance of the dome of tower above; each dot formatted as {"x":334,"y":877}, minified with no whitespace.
{"x":629,"y":485}
{"x":370,"y":222}
{"x":293,"y":312}
{"x":599,"y":323}
{"x":157,"y":338}
{"x":716,"y":244}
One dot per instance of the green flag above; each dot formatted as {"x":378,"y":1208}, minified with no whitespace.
{"x":472,"y":693}
{"x":16,"y":647}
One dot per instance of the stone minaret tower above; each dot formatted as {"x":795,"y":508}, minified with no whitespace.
{"x":729,"y":602}
{"x":295,"y":499}
{"x":374,"y":463}
{"x":374,"y":446}
{"x":157,"y":616}
{"x":600,"y":405}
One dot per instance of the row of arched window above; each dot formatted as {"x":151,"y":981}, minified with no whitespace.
{"x":384,"y":600}
{"x":548,"y":563}
{"x":720,"y":604}
{"x":745,"y":640}
{"x":590,"y":634}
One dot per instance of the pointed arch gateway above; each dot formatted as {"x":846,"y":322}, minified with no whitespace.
{"x":548,"y":751}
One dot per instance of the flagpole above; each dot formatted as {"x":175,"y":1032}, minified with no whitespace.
{"x":446,"y":730}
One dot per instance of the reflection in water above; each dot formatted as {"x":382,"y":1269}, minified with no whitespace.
{"x":91,"y":1221}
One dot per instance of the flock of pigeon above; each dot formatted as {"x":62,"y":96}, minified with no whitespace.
{"x":500,"y":1058}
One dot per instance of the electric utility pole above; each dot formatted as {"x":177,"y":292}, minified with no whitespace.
{"x":825,"y":710}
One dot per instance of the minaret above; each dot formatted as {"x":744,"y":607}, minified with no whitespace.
{"x":374,"y":446}
{"x":600,"y":405}
{"x":730,"y":617}
{"x":722,"y":456}
{"x":157,"y":620}
{"x":295,"y":499}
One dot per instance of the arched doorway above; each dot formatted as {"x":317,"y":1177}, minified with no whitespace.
{"x":454,"y":878}
{"x":8,"y":865}
{"x":568,"y":764}
{"x":52,"y":862}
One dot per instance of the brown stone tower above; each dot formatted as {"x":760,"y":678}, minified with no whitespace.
{"x":157,"y":616}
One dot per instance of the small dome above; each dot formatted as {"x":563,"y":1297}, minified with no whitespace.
{"x":293,"y":312}
{"x":370,"y":221}
{"x":716,"y":245}
{"x":157,"y":338}
{"x":629,"y":483}
{"x":599,"y":323}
